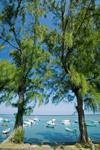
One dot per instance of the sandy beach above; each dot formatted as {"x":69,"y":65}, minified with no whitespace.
{"x":27,"y":146}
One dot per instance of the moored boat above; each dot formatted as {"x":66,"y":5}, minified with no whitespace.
{"x":94,"y":121}
{"x":91,"y":125}
{"x":4,"y":124}
{"x":32,"y":121}
{"x":50,"y":126}
{"x":66,"y":122}
{"x":70,"y":130}
{"x":6,"y":131}
{"x":51,"y":122}
{"x":76,"y":121}
{"x":27,"y":122}
{"x":6,"y":120}
{"x":36,"y":119}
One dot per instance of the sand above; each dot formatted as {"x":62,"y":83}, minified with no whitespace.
{"x":27,"y":146}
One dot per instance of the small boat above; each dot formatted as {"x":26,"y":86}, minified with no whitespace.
{"x":27,"y":122}
{"x":94,"y":121}
{"x":36,"y":119}
{"x":6,"y":120}
{"x":4,"y":124}
{"x":6,"y":131}
{"x":76,"y":121}
{"x":91,"y":125}
{"x":99,"y":121}
{"x":32,"y":121}
{"x":50,"y":126}
{"x":51,"y":122}
{"x":66,"y":122}
{"x":70,"y":130}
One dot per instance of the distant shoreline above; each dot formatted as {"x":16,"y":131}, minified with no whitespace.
{"x":55,"y":115}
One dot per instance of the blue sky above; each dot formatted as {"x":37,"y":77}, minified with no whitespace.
{"x":49,"y":109}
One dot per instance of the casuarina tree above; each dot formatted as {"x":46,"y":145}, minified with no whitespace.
{"x":21,"y":30}
{"x":74,"y":46}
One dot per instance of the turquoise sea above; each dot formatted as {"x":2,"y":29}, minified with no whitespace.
{"x":38,"y":133}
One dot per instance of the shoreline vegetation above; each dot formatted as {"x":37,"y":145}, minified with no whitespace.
{"x":27,"y":146}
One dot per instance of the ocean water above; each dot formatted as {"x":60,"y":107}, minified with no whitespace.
{"x":38,"y":133}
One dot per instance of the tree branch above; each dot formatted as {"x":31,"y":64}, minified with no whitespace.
{"x":82,"y":21}
{"x":9,"y":43}
{"x":16,"y":13}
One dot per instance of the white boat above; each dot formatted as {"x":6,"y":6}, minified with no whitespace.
{"x":36,"y":119}
{"x":27,"y":122}
{"x":50,"y":126}
{"x":66,"y":122}
{"x":6,"y":131}
{"x":70,"y":130}
{"x":32,"y":121}
{"x":51,"y":122}
{"x":94,"y":121}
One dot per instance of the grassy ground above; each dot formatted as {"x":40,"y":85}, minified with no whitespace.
{"x":27,"y":146}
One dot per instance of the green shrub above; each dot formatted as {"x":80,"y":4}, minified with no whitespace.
{"x":18,"y":136}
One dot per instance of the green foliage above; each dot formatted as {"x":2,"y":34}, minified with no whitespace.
{"x":18,"y":136}
{"x":5,"y":79}
{"x":71,"y":58}
{"x":74,"y":47}
{"x":27,"y":54}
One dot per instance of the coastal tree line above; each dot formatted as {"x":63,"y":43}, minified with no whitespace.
{"x":62,"y":60}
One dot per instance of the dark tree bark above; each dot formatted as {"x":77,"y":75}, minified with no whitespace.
{"x":83,"y":137}
{"x":19,"y":117}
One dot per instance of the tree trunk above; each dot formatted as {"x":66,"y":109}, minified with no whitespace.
{"x":83,"y":137}
{"x":19,"y":117}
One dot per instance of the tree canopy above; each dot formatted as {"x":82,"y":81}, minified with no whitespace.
{"x":21,"y":29}
{"x":74,"y":46}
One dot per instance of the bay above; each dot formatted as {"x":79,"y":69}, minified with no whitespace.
{"x":38,"y":133}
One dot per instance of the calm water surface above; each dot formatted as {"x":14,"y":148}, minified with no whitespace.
{"x":38,"y":133}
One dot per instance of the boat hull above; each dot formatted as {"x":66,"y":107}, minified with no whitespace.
{"x":70,"y":130}
{"x":6,"y":131}
{"x":4,"y":124}
{"x":90,"y":125}
{"x":49,"y":126}
{"x":94,"y":121}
